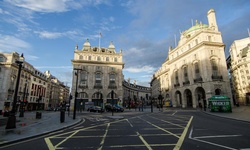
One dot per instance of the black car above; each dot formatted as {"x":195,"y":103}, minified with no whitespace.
{"x":95,"y":109}
{"x":117,"y":108}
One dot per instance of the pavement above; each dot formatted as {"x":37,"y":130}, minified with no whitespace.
{"x":29,"y":127}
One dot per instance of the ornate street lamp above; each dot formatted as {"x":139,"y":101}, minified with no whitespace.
{"x":23,"y":102}
{"x":11,"y":123}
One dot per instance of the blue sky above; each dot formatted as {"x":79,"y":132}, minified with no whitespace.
{"x":47,"y":31}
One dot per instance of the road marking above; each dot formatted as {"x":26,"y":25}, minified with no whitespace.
{"x":181,"y":139}
{"x":167,"y":122}
{"x":129,"y":123}
{"x":160,"y":128}
{"x":195,"y":139}
{"x":145,"y":142}
{"x":174,"y":113}
{"x":216,"y":136}
{"x":104,"y":137}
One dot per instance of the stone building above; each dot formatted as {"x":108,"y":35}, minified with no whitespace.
{"x":133,"y":93}
{"x":33,"y":89}
{"x":96,"y":72}
{"x":195,"y":69}
{"x":240,"y":70}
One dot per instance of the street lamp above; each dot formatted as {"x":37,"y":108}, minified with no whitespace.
{"x":11,"y":123}
{"x":76,"y":94}
{"x":23,"y":102}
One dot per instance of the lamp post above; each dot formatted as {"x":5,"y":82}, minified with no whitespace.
{"x":11,"y":123}
{"x":76,"y":94}
{"x":22,"y":103}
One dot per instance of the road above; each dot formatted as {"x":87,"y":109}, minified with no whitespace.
{"x":175,"y":129}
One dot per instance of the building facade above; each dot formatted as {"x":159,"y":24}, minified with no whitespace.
{"x":96,"y":72}
{"x":134,"y":94}
{"x":34,"y":87}
{"x":240,"y":70}
{"x":195,"y":69}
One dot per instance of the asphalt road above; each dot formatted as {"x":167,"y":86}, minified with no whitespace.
{"x":176,"y":129}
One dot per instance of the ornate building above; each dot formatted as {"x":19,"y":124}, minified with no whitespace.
{"x":195,"y":69}
{"x":240,"y":70}
{"x":34,"y":86}
{"x":96,"y":72}
{"x":133,"y":93}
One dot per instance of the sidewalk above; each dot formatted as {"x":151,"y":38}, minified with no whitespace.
{"x":28,"y":126}
{"x":241,"y":113}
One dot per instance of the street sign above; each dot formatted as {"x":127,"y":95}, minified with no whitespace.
{"x":220,"y":103}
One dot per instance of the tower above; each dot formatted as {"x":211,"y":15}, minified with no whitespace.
{"x":212,"y":20}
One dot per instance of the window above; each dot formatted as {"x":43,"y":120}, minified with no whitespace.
{"x":89,"y":58}
{"x":185,"y":74}
{"x":112,"y":79}
{"x":196,"y":41}
{"x":209,"y":38}
{"x":84,"y":78}
{"x":214,"y":67}
{"x":98,"y":58}
{"x":81,"y":57}
{"x":98,"y":79}
{"x":115,"y":59}
{"x":176,"y":77}
{"x":107,"y":58}
{"x":1,"y":59}
{"x":196,"y":70}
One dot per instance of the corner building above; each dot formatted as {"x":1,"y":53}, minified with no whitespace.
{"x":195,"y":69}
{"x":240,"y":70}
{"x":96,"y":72}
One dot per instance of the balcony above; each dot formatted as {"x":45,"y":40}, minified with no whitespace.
{"x":186,"y":83}
{"x":112,"y":86}
{"x":216,"y":78}
{"x":198,"y":80}
{"x":97,"y":86}
{"x":83,"y":86}
{"x":177,"y":85}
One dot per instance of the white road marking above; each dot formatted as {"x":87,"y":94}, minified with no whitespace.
{"x":145,"y":142}
{"x":196,"y":139}
{"x":104,"y":137}
{"x":174,"y":113}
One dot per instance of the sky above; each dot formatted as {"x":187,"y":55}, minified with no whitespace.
{"x":47,"y":31}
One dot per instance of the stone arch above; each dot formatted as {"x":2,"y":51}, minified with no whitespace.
{"x":200,"y":96}
{"x":217,"y":91}
{"x":188,"y":98}
{"x":178,"y":99}
{"x":97,"y":98}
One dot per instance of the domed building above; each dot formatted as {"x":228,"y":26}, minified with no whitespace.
{"x":96,"y":73}
{"x":195,"y":69}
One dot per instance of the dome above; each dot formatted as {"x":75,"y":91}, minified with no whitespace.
{"x":111,"y":45}
{"x":86,"y":44}
{"x":196,"y":27}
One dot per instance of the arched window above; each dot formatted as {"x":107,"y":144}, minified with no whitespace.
{"x":185,"y":73}
{"x":214,"y":67}
{"x":196,"y":70}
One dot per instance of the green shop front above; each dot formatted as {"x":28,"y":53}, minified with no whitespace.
{"x":219,"y":103}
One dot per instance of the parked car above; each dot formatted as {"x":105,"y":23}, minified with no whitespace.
{"x":117,"y":108}
{"x":95,"y":109}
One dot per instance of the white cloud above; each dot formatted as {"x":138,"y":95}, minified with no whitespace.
{"x":41,"y":5}
{"x":55,"y":35}
{"x":137,"y":69}
{"x":49,"y":35}
{"x":11,"y":43}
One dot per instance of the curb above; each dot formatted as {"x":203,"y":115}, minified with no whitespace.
{"x":41,"y":134}
{"x":225,"y":117}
